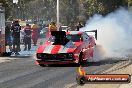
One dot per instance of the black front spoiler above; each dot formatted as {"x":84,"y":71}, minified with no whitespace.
{"x":56,"y":60}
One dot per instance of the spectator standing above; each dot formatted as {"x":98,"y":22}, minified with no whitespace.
{"x":15,"y":28}
{"x":27,"y":37}
{"x":79,"y":25}
{"x":52,"y":27}
{"x":8,"y":37}
{"x":35,"y":33}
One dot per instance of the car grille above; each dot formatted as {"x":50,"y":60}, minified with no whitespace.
{"x":55,"y":57}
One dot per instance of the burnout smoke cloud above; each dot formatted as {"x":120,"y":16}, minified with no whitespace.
{"x":114,"y":31}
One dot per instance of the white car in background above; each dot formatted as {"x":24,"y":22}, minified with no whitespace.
{"x":43,"y":32}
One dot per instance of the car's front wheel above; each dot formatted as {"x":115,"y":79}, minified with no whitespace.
{"x":80,"y":80}
{"x":81,"y":61}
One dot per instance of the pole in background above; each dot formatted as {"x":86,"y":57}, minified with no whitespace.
{"x":58,"y":15}
{"x":15,"y":1}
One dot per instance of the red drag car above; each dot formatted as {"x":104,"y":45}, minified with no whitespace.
{"x":66,"y":47}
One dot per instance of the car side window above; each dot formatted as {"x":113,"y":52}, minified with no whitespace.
{"x":85,"y":37}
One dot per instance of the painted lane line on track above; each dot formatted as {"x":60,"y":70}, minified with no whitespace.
{"x":117,"y":66}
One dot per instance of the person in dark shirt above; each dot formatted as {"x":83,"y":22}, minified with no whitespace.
{"x":8,"y":37}
{"x":7,"y":30}
{"x":79,"y":25}
{"x":27,"y":37}
{"x":15,"y":28}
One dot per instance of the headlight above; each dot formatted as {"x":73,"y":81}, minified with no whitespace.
{"x":64,"y":56}
{"x":70,"y":55}
{"x":39,"y":55}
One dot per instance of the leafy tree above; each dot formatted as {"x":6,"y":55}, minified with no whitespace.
{"x":103,"y":7}
{"x":129,"y":2}
{"x":7,"y":4}
{"x":70,"y":10}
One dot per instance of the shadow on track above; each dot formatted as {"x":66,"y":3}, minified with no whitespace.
{"x":20,"y":56}
{"x":87,"y":64}
{"x":102,"y":62}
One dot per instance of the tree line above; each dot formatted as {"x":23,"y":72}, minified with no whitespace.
{"x":70,"y":10}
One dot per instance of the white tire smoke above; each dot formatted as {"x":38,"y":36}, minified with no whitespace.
{"x":114,"y":31}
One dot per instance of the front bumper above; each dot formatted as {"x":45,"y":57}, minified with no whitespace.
{"x":54,"y":59}
{"x":50,"y":63}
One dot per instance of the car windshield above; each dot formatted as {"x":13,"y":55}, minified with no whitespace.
{"x":74,"y":37}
